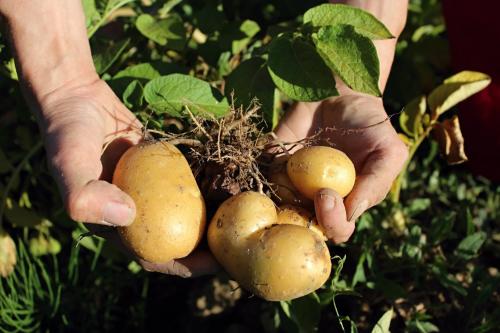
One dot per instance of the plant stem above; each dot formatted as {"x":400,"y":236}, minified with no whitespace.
{"x":396,"y":190}
{"x":16,"y":172}
{"x":338,"y":315}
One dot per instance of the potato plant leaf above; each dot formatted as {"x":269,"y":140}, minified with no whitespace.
{"x":363,"y":22}
{"x":299,"y":71}
{"x":456,"y":89}
{"x":450,"y":140}
{"x":382,"y":325}
{"x":173,"y":93}
{"x":411,"y":118}
{"x":105,"y":58}
{"x":470,"y":245}
{"x":251,"y":80}
{"x":133,"y":94}
{"x":305,"y":312}
{"x":235,"y":36}
{"x":351,"y":56}
{"x":169,"y":32}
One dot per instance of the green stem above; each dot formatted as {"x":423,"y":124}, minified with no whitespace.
{"x":16,"y":172}
{"x":338,"y":314}
{"x":106,"y":15}
{"x":396,"y":190}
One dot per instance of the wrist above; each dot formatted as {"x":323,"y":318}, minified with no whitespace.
{"x":50,"y":44}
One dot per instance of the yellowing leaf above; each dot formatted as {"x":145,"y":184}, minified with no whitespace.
{"x":450,"y":140}
{"x":411,"y":118}
{"x":384,"y":322}
{"x":8,"y":256}
{"x":456,"y":89}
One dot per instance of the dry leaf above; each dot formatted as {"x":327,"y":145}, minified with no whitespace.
{"x":451,"y":141}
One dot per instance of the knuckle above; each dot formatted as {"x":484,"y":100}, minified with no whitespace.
{"x":76,"y":206}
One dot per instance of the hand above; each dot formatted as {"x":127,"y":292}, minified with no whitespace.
{"x":377,"y":152}
{"x":77,"y":121}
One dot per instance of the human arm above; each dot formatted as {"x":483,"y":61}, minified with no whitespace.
{"x":377,"y":151}
{"x":78,"y":115}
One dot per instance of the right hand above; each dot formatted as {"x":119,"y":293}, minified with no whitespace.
{"x":77,"y":121}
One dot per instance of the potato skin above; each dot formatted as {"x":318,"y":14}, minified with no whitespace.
{"x":289,"y":214}
{"x":288,"y":262}
{"x":273,"y":260}
{"x":231,"y":228}
{"x":170,"y":217}
{"x":313,"y":168}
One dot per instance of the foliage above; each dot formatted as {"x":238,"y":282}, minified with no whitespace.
{"x":428,"y":253}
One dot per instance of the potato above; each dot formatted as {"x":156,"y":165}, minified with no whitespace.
{"x":313,"y":168}
{"x":170,"y":216}
{"x":270,"y":257}
{"x":289,"y":214}
{"x":286,"y":192}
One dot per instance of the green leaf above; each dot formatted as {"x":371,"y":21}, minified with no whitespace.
{"x":104,"y":59}
{"x":384,"y":322}
{"x":411,"y":118}
{"x":169,"y":32}
{"x":172,"y":93}
{"x":298,"y":70}
{"x":305,"y":312}
{"x":148,"y":71}
{"x":417,"y":206}
{"x":456,"y":89}
{"x":441,"y":227}
{"x":470,"y":245}
{"x":236,"y":36}
{"x":251,"y":80}
{"x":332,"y":14}
{"x":133,"y":95}
{"x":91,"y":13}
{"x":143,"y":73}
{"x":351,"y":56}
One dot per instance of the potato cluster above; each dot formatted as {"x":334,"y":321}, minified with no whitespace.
{"x":277,"y":253}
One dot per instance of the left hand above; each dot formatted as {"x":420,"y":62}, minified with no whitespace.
{"x":377,"y":152}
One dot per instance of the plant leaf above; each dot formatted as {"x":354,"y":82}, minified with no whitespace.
{"x":450,"y":140}
{"x":172,"y":93}
{"x":251,"y":80}
{"x":351,"y":56}
{"x":411,"y":118}
{"x":305,"y":312}
{"x":169,"y":32}
{"x":236,"y":36}
{"x":106,"y":58}
{"x":298,"y":70}
{"x":384,"y":322}
{"x":133,"y":94}
{"x":363,"y":22}
{"x":456,"y":89}
{"x":470,"y":245}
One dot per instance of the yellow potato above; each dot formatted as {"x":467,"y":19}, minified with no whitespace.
{"x":313,"y":168}
{"x":271,"y":258}
{"x":289,"y":214}
{"x":287,"y":193}
{"x":170,"y":216}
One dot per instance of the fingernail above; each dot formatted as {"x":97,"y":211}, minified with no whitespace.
{"x":117,"y":213}
{"x":360,"y":209}
{"x":327,"y":198}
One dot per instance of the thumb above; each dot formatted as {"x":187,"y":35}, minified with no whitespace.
{"x":331,"y":214}
{"x":74,"y":152}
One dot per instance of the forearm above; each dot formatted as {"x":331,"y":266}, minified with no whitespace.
{"x":50,"y":44}
{"x":393,"y":14}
